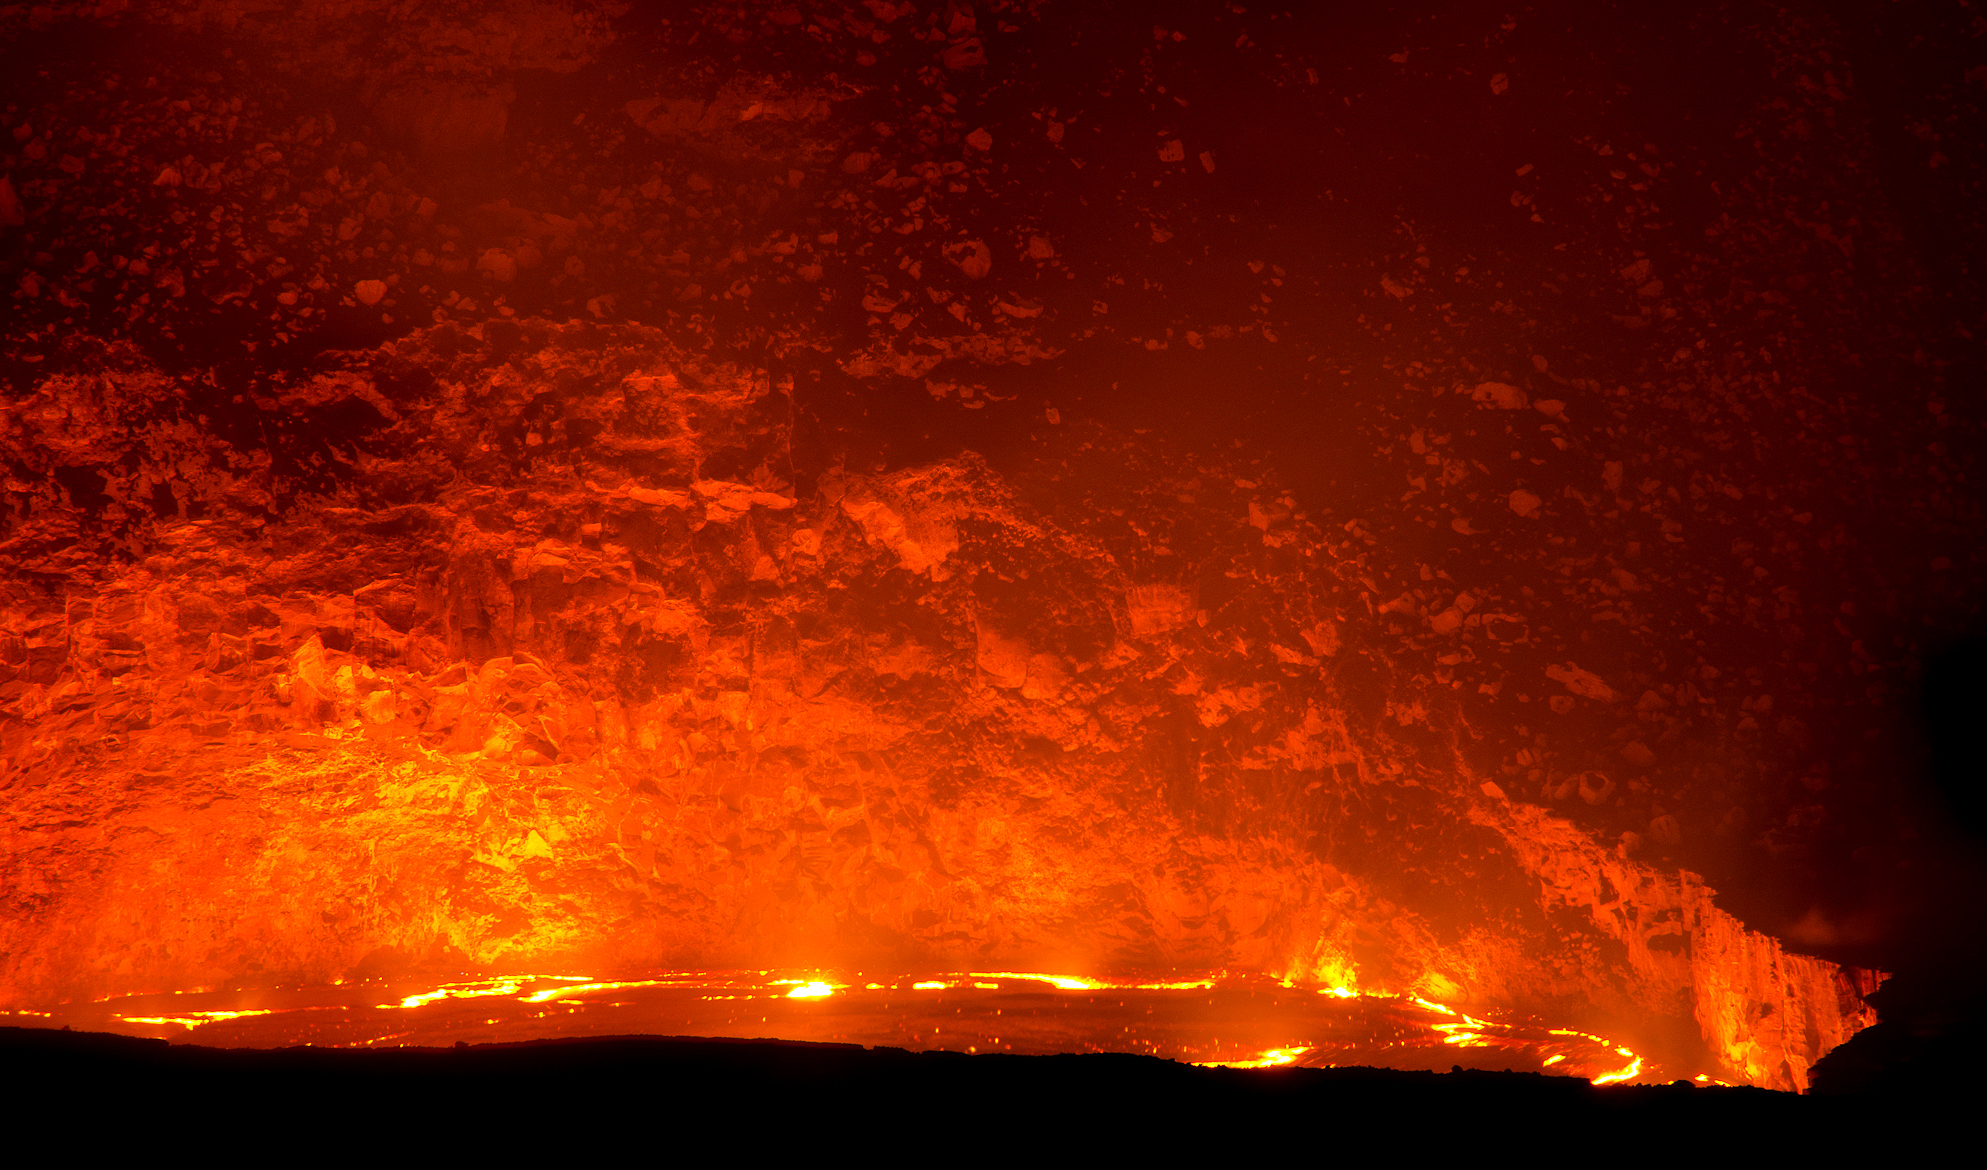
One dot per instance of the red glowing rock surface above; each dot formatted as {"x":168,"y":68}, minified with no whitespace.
{"x":542,"y":687}
{"x":535,"y":485}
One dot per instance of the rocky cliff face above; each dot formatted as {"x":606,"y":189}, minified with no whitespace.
{"x":1766,"y":1015}
{"x":532,"y":646}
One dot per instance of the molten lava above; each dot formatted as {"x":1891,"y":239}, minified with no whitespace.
{"x":1221,"y":1020}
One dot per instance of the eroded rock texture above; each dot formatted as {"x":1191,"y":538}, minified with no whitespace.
{"x":528,"y":647}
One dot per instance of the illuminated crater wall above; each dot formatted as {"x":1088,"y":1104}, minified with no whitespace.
{"x":562,"y":668}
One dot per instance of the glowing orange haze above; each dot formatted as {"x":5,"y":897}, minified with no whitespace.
{"x":671,"y":707}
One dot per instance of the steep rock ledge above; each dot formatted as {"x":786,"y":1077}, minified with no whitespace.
{"x":526,"y":646}
{"x":1766,"y":1014}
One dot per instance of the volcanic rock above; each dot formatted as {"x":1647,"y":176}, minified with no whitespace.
{"x":559,"y":664}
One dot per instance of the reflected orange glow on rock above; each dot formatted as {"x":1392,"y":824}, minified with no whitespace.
{"x":571,"y":674}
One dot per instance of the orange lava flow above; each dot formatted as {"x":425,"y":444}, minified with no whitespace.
{"x":1217,"y":1020}
{"x":1273,"y":1058}
{"x":1099,"y":1014}
{"x":192,"y":1020}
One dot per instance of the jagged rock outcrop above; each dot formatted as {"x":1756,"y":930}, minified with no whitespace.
{"x":554,"y":657}
{"x":1767,"y":1015}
